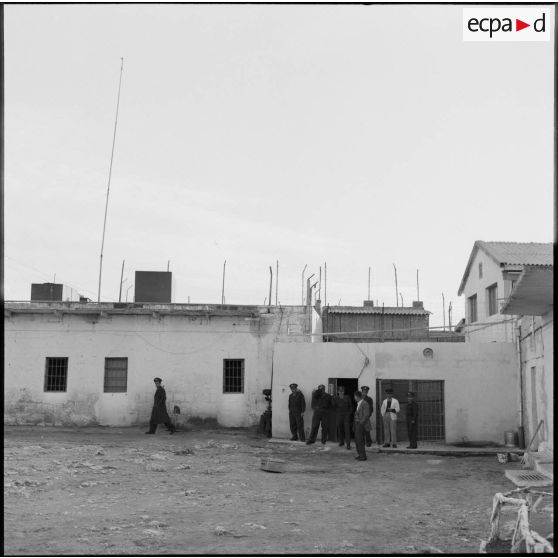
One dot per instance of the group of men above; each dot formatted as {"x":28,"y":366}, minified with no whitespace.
{"x":323,"y":404}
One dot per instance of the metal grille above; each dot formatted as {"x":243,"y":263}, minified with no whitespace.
{"x":116,"y":375}
{"x":528,"y":478}
{"x":56,"y":373}
{"x":430,"y":399}
{"x":233,"y":375}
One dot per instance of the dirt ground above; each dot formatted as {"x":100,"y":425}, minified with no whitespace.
{"x":119,"y":491}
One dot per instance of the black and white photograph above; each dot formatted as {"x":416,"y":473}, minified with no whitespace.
{"x":278,"y":278}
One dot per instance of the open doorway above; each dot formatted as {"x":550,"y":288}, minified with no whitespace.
{"x":350,"y":385}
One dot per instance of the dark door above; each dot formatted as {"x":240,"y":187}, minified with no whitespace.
{"x":430,"y":399}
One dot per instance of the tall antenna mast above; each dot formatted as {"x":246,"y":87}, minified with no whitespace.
{"x":109,"y":177}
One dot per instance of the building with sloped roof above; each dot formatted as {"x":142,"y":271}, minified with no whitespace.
{"x":490,"y":275}
{"x":376,"y":324}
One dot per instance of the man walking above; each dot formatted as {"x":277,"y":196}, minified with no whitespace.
{"x":412,"y":419}
{"x":368,"y":400}
{"x":159,"y":413}
{"x":389,"y":411}
{"x":343,"y":408}
{"x":321,"y":404}
{"x":361,"y":425}
{"x":297,"y":406}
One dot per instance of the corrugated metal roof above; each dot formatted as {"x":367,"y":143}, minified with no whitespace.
{"x":511,"y":254}
{"x":376,"y":310}
{"x":520,"y":253}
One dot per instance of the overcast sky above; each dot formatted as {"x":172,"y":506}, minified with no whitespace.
{"x":360,"y":136}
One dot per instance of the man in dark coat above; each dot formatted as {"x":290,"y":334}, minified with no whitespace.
{"x":343,"y":408}
{"x":297,"y":406}
{"x":159,"y":413}
{"x":412,"y":420}
{"x":321,"y":404}
{"x":368,"y":400}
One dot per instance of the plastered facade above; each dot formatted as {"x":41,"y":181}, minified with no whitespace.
{"x":186,"y":351}
{"x":537,"y":368}
{"x":480,"y":380}
{"x":487,"y":328}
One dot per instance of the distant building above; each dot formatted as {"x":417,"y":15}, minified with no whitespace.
{"x":376,"y":324}
{"x":490,"y":275}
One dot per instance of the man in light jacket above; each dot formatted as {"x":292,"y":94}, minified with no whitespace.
{"x":389,"y":411}
{"x":362,"y":424}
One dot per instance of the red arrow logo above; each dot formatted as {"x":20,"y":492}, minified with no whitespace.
{"x":519,"y":25}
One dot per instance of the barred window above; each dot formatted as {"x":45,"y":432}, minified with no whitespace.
{"x":116,"y":375}
{"x":56,"y":373}
{"x":233,"y":375}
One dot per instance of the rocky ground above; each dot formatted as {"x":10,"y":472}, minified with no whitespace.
{"x":118,"y":491}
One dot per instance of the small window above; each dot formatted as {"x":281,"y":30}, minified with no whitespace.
{"x":480,"y":270}
{"x":116,"y":375}
{"x":56,"y":373}
{"x":472,"y":303}
{"x":233,"y":375}
{"x":492,"y":299}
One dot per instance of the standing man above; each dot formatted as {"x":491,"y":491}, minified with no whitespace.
{"x":297,"y":406}
{"x":368,"y":400}
{"x":361,"y":425}
{"x":343,"y":407}
{"x":412,"y":419}
{"x":321,"y":404}
{"x":389,"y":411}
{"x":159,"y":413}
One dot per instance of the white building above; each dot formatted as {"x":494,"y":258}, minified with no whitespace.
{"x":490,"y":275}
{"x":86,"y":364}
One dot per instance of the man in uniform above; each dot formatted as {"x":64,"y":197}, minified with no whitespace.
{"x":297,"y":406}
{"x":362,"y":423}
{"x":412,"y":420}
{"x":389,"y":411}
{"x":368,"y":400}
{"x":343,"y":407}
{"x":321,"y":404}
{"x":159,"y":413}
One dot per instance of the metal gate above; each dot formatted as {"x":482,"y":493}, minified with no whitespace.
{"x":430,"y":399}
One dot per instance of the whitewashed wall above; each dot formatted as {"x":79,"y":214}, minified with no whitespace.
{"x":481,"y":380}
{"x":187,"y":353}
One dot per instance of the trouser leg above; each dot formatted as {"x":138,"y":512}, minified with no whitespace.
{"x":293,"y":424}
{"x":368,"y":437}
{"x":412,"y":431}
{"x":346,"y":427}
{"x":324,"y":420}
{"x":300,"y":427}
{"x":339,"y":427}
{"x":387,"y":431}
{"x":314,"y":427}
{"x":152,"y":426}
{"x":359,"y":440}
{"x":393,"y":430}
